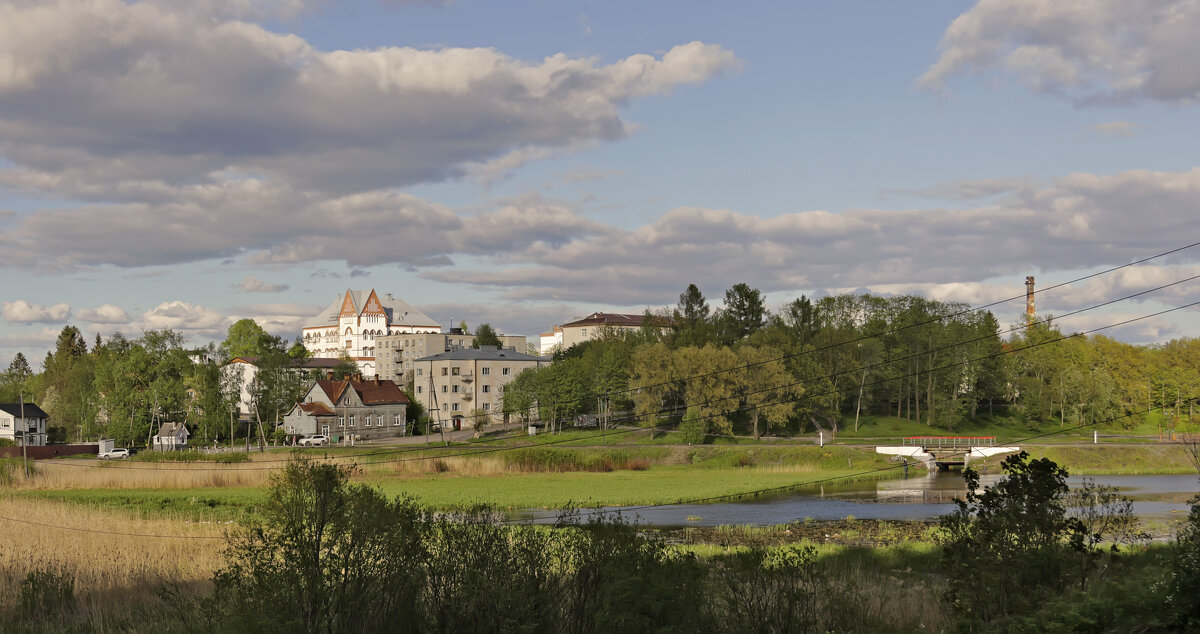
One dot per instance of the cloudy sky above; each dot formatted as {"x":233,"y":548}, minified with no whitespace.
{"x":186,"y":163}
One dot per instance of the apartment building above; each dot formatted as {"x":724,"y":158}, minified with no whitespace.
{"x":395,"y":355}
{"x":451,"y":385}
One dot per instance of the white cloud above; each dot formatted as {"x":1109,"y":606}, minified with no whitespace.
{"x":149,"y":96}
{"x":1091,"y":51}
{"x":184,"y":317}
{"x":252,"y":284}
{"x":105,"y":314}
{"x":23,"y":312}
{"x":1076,"y":222}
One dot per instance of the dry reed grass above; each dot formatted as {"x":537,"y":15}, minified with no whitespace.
{"x":77,"y":475}
{"x":115,"y":575}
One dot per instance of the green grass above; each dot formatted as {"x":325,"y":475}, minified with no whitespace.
{"x":206,"y":504}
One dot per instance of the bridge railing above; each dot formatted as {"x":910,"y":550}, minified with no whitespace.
{"x":950,"y":442}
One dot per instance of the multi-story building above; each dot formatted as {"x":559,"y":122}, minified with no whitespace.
{"x":451,"y":385}
{"x":595,"y":324}
{"x":551,"y":341}
{"x":363,"y":409}
{"x":352,"y":324}
{"x":396,"y":354}
{"x":29,"y":430}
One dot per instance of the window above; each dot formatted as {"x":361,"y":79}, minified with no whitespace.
{"x":445,"y":406}
{"x":504,"y":371}
{"x":418,"y":389}
{"x":396,"y":420}
{"x":485,"y":371}
{"x":443,"y":371}
{"x":455,"y":389}
{"x":487,"y":407}
{"x":454,"y":407}
{"x":487,"y":388}
{"x":443,"y":389}
{"x":454,"y":371}
{"x":367,"y":420}
{"x":341,"y":421}
{"x":420,"y":371}
{"x":352,"y":420}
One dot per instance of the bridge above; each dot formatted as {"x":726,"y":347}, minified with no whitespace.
{"x":945,"y":452}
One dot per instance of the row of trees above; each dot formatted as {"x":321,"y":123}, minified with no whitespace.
{"x":745,"y":369}
{"x":738,"y":369}
{"x":124,"y":388}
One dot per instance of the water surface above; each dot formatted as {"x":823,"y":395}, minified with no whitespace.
{"x":919,"y":497}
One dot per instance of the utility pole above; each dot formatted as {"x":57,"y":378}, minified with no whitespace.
{"x":24,"y":435}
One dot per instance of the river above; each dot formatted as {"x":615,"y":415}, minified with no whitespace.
{"x":920,"y":497}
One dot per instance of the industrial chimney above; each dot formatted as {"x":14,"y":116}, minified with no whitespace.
{"x":1030,"y":311}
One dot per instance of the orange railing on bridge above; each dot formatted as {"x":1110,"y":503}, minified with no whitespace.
{"x":940,"y":442}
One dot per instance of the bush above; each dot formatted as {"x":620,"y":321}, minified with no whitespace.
{"x":328,"y":556}
{"x":1009,"y":546}
{"x":1183,"y":581}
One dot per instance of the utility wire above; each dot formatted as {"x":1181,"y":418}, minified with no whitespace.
{"x":741,"y":395}
{"x":489,"y":450}
{"x":789,"y":487}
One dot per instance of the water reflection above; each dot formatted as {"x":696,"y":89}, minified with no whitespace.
{"x":920,"y":497}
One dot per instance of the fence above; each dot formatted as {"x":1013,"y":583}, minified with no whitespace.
{"x":950,"y":442}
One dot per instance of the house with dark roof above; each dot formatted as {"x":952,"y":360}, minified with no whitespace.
{"x":171,"y":437}
{"x":454,"y":384}
{"x":23,"y":424}
{"x":364,"y":409}
{"x":595,"y":324}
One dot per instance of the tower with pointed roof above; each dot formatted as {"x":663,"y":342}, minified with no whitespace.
{"x":352,"y":322}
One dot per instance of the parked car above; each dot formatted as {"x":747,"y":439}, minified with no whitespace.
{"x":115,"y":454}
{"x":314,"y":441}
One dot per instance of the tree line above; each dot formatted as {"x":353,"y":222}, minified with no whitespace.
{"x":744,"y":369}
{"x":737,"y":369}
{"x":124,"y":388}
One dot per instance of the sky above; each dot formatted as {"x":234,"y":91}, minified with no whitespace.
{"x":187,"y":163}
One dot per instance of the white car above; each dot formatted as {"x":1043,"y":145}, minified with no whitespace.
{"x":115,"y":454}
{"x":314,"y":441}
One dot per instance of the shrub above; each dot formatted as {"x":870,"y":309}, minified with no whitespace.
{"x":1183,"y":581}
{"x":328,"y":556}
{"x":1008,"y":546}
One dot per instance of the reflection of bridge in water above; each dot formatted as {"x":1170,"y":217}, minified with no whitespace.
{"x":945,"y":452}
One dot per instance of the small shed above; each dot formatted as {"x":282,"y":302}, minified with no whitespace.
{"x":171,"y":437}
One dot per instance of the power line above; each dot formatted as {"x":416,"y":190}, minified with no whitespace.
{"x":489,"y":450}
{"x":788,"y":487}
{"x":806,"y":381}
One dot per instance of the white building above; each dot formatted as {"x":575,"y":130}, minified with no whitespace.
{"x":17,"y":429}
{"x":352,"y":322}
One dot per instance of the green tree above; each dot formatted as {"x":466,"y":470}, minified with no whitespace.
{"x":485,"y":335}
{"x":743,"y":314}
{"x":691,"y":325}
{"x":1009,"y":545}
{"x":328,"y":556}
{"x":769,"y":391}
{"x":245,"y":338}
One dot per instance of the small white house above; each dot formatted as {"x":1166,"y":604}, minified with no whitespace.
{"x":171,"y":437}
{"x":30,"y":430}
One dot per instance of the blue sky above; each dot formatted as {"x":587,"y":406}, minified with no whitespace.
{"x":185,"y":164}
